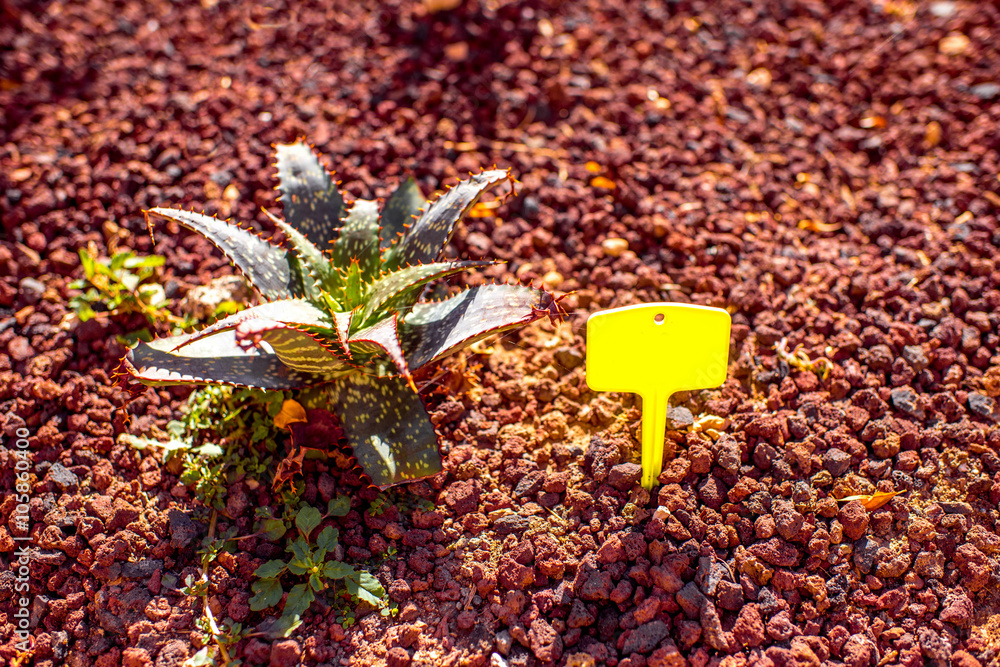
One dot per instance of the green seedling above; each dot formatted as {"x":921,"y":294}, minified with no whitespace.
{"x":222,"y":635}
{"x":123,"y":285}
{"x":343,"y":309}
{"x":655,"y":350}
{"x":226,"y":435}
{"x":379,"y":505}
{"x":242,"y":422}
{"x":310,"y":561}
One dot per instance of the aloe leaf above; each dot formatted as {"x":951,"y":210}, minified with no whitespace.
{"x":433,"y":330}
{"x":388,"y":427}
{"x":297,"y":349}
{"x":400,"y":211}
{"x":313,"y":263}
{"x":303,"y":282}
{"x":342,"y":325}
{"x":214,"y":360}
{"x":350,"y":285}
{"x":359,"y":239}
{"x":310,"y":199}
{"x":400,"y":289}
{"x":383,"y":335}
{"x":264,"y":265}
{"x":286,"y":311}
{"x":424,"y":240}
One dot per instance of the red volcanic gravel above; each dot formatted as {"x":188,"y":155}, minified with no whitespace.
{"x":825,"y":171}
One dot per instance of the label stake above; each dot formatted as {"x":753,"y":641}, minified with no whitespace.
{"x":654,"y":350}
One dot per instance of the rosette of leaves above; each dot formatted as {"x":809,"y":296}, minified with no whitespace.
{"x":342,"y":309}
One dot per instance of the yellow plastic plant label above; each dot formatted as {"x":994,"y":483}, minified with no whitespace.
{"x":654,"y":350}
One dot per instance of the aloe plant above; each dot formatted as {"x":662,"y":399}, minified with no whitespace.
{"x":342,"y":309}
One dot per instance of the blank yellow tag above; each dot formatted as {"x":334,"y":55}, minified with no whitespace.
{"x":654,"y":350}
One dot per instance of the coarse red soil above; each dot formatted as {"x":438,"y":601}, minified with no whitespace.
{"x":827,"y":171}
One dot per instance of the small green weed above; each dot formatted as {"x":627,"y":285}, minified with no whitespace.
{"x":229,"y":632}
{"x":309,"y":560}
{"x":124,"y":285}
{"x":227,"y":436}
{"x":224,"y":637}
{"x":381,"y":503}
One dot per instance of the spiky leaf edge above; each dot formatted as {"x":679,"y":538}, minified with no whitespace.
{"x":311,"y":197}
{"x":192,"y":369}
{"x":270,"y":310}
{"x":415,"y":332}
{"x":364,"y":406}
{"x":398,"y":289}
{"x":426,"y":238}
{"x":252,"y":332}
{"x":260,"y":252}
{"x":400,"y":211}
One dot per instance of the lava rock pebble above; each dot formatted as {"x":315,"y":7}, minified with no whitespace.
{"x":854,"y":518}
{"x":836,"y":461}
{"x":984,"y":406}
